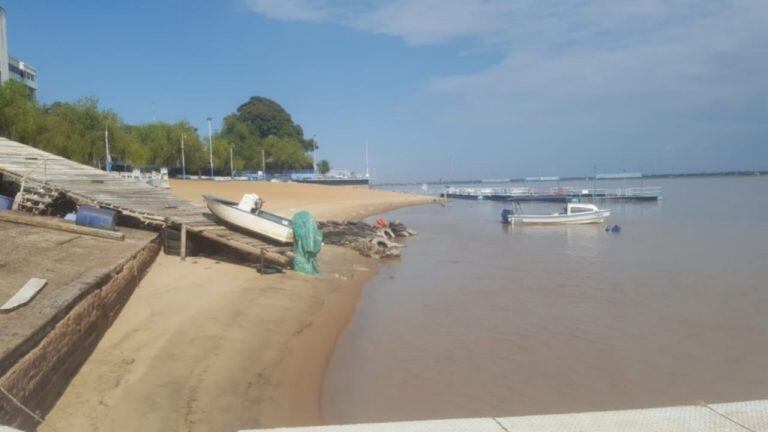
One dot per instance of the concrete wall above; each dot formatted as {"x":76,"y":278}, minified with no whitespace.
{"x":40,"y":377}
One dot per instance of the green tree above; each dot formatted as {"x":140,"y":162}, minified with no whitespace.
{"x":262,"y":118}
{"x":19,"y":115}
{"x":324,"y":166}
{"x":75,"y":130}
{"x":262,"y":125}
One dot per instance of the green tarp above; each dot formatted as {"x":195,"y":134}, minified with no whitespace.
{"x":307,"y":241}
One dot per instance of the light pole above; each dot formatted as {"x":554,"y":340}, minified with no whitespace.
{"x":183,"y":162}
{"x":210,"y":146}
{"x":314,"y":153}
{"x":231,"y":161}
{"x":263,"y":165}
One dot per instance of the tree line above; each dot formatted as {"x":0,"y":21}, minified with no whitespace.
{"x":75,"y":130}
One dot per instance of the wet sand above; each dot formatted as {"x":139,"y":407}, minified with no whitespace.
{"x":206,"y":345}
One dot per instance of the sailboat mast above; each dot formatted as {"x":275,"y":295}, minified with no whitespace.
{"x":367,"y":171}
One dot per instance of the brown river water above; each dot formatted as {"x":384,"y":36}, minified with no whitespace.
{"x":478,"y":319}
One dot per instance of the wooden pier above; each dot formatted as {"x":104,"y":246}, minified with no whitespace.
{"x":44,"y":175}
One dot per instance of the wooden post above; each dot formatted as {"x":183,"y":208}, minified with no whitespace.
{"x":261,"y":266}
{"x":183,"y":246}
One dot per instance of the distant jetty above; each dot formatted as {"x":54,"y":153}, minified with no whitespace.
{"x":742,"y":173}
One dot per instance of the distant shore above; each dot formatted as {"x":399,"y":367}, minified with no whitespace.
{"x":209,"y":345}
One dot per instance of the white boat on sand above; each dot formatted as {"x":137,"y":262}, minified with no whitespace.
{"x":573,"y":213}
{"x":248,"y":215}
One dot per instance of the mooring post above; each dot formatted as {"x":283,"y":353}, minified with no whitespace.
{"x":183,"y":246}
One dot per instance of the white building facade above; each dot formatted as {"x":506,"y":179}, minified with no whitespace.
{"x":12,"y":68}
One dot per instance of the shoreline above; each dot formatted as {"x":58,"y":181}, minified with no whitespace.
{"x":209,"y":345}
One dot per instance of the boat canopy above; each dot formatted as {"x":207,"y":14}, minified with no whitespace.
{"x":573,"y":208}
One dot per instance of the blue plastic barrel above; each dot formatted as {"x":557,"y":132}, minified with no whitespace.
{"x":95,"y":217}
{"x":6,"y":203}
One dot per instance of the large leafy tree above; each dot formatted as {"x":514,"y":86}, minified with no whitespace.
{"x":261,"y":118}
{"x":261,"y":124}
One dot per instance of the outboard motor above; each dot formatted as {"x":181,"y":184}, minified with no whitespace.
{"x":250,"y":203}
{"x":505,"y":214}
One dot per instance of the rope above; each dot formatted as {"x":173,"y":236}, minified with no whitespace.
{"x":27,"y":410}
{"x":745,"y":427}
{"x":499,"y":423}
{"x":20,"y":405}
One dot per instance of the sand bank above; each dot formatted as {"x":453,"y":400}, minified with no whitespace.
{"x":206,"y":345}
{"x":325,"y":202}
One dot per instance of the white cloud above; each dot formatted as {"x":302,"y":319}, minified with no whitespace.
{"x":292,"y":10}
{"x":722,"y":53}
{"x":522,"y":22}
{"x":432,"y":21}
{"x":651,"y":74}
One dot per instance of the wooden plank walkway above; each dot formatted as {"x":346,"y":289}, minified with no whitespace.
{"x":154,"y":206}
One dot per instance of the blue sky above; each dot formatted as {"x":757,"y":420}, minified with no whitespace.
{"x":440,"y":89}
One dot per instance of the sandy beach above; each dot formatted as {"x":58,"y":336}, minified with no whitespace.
{"x":324,"y":202}
{"x":205,"y":345}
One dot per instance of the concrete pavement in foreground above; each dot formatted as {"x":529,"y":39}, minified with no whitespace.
{"x":750,"y":416}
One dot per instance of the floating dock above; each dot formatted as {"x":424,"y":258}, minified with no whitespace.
{"x":559,"y":195}
{"x":751,"y":416}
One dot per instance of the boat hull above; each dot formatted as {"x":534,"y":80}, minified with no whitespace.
{"x":262,"y":224}
{"x":573,"y":219}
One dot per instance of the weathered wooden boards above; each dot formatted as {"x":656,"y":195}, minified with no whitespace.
{"x":88,"y":185}
{"x":24,"y":295}
{"x":57,"y":224}
{"x":244,"y":243}
{"x":92,"y":186}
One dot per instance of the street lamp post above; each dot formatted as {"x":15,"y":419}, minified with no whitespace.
{"x":263,"y":164}
{"x":183,"y":162}
{"x":210,"y":146}
{"x":231,"y":161}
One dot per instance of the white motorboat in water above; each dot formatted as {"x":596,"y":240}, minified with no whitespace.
{"x":573,"y":213}
{"x":248,"y":215}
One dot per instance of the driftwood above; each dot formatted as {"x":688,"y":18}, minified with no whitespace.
{"x":58,"y":224}
{"x":370,"y":241}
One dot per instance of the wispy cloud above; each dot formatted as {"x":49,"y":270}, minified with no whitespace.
{"x":515,"y":22}
{"x":687,"y":67}
{"x":293,"y":10}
